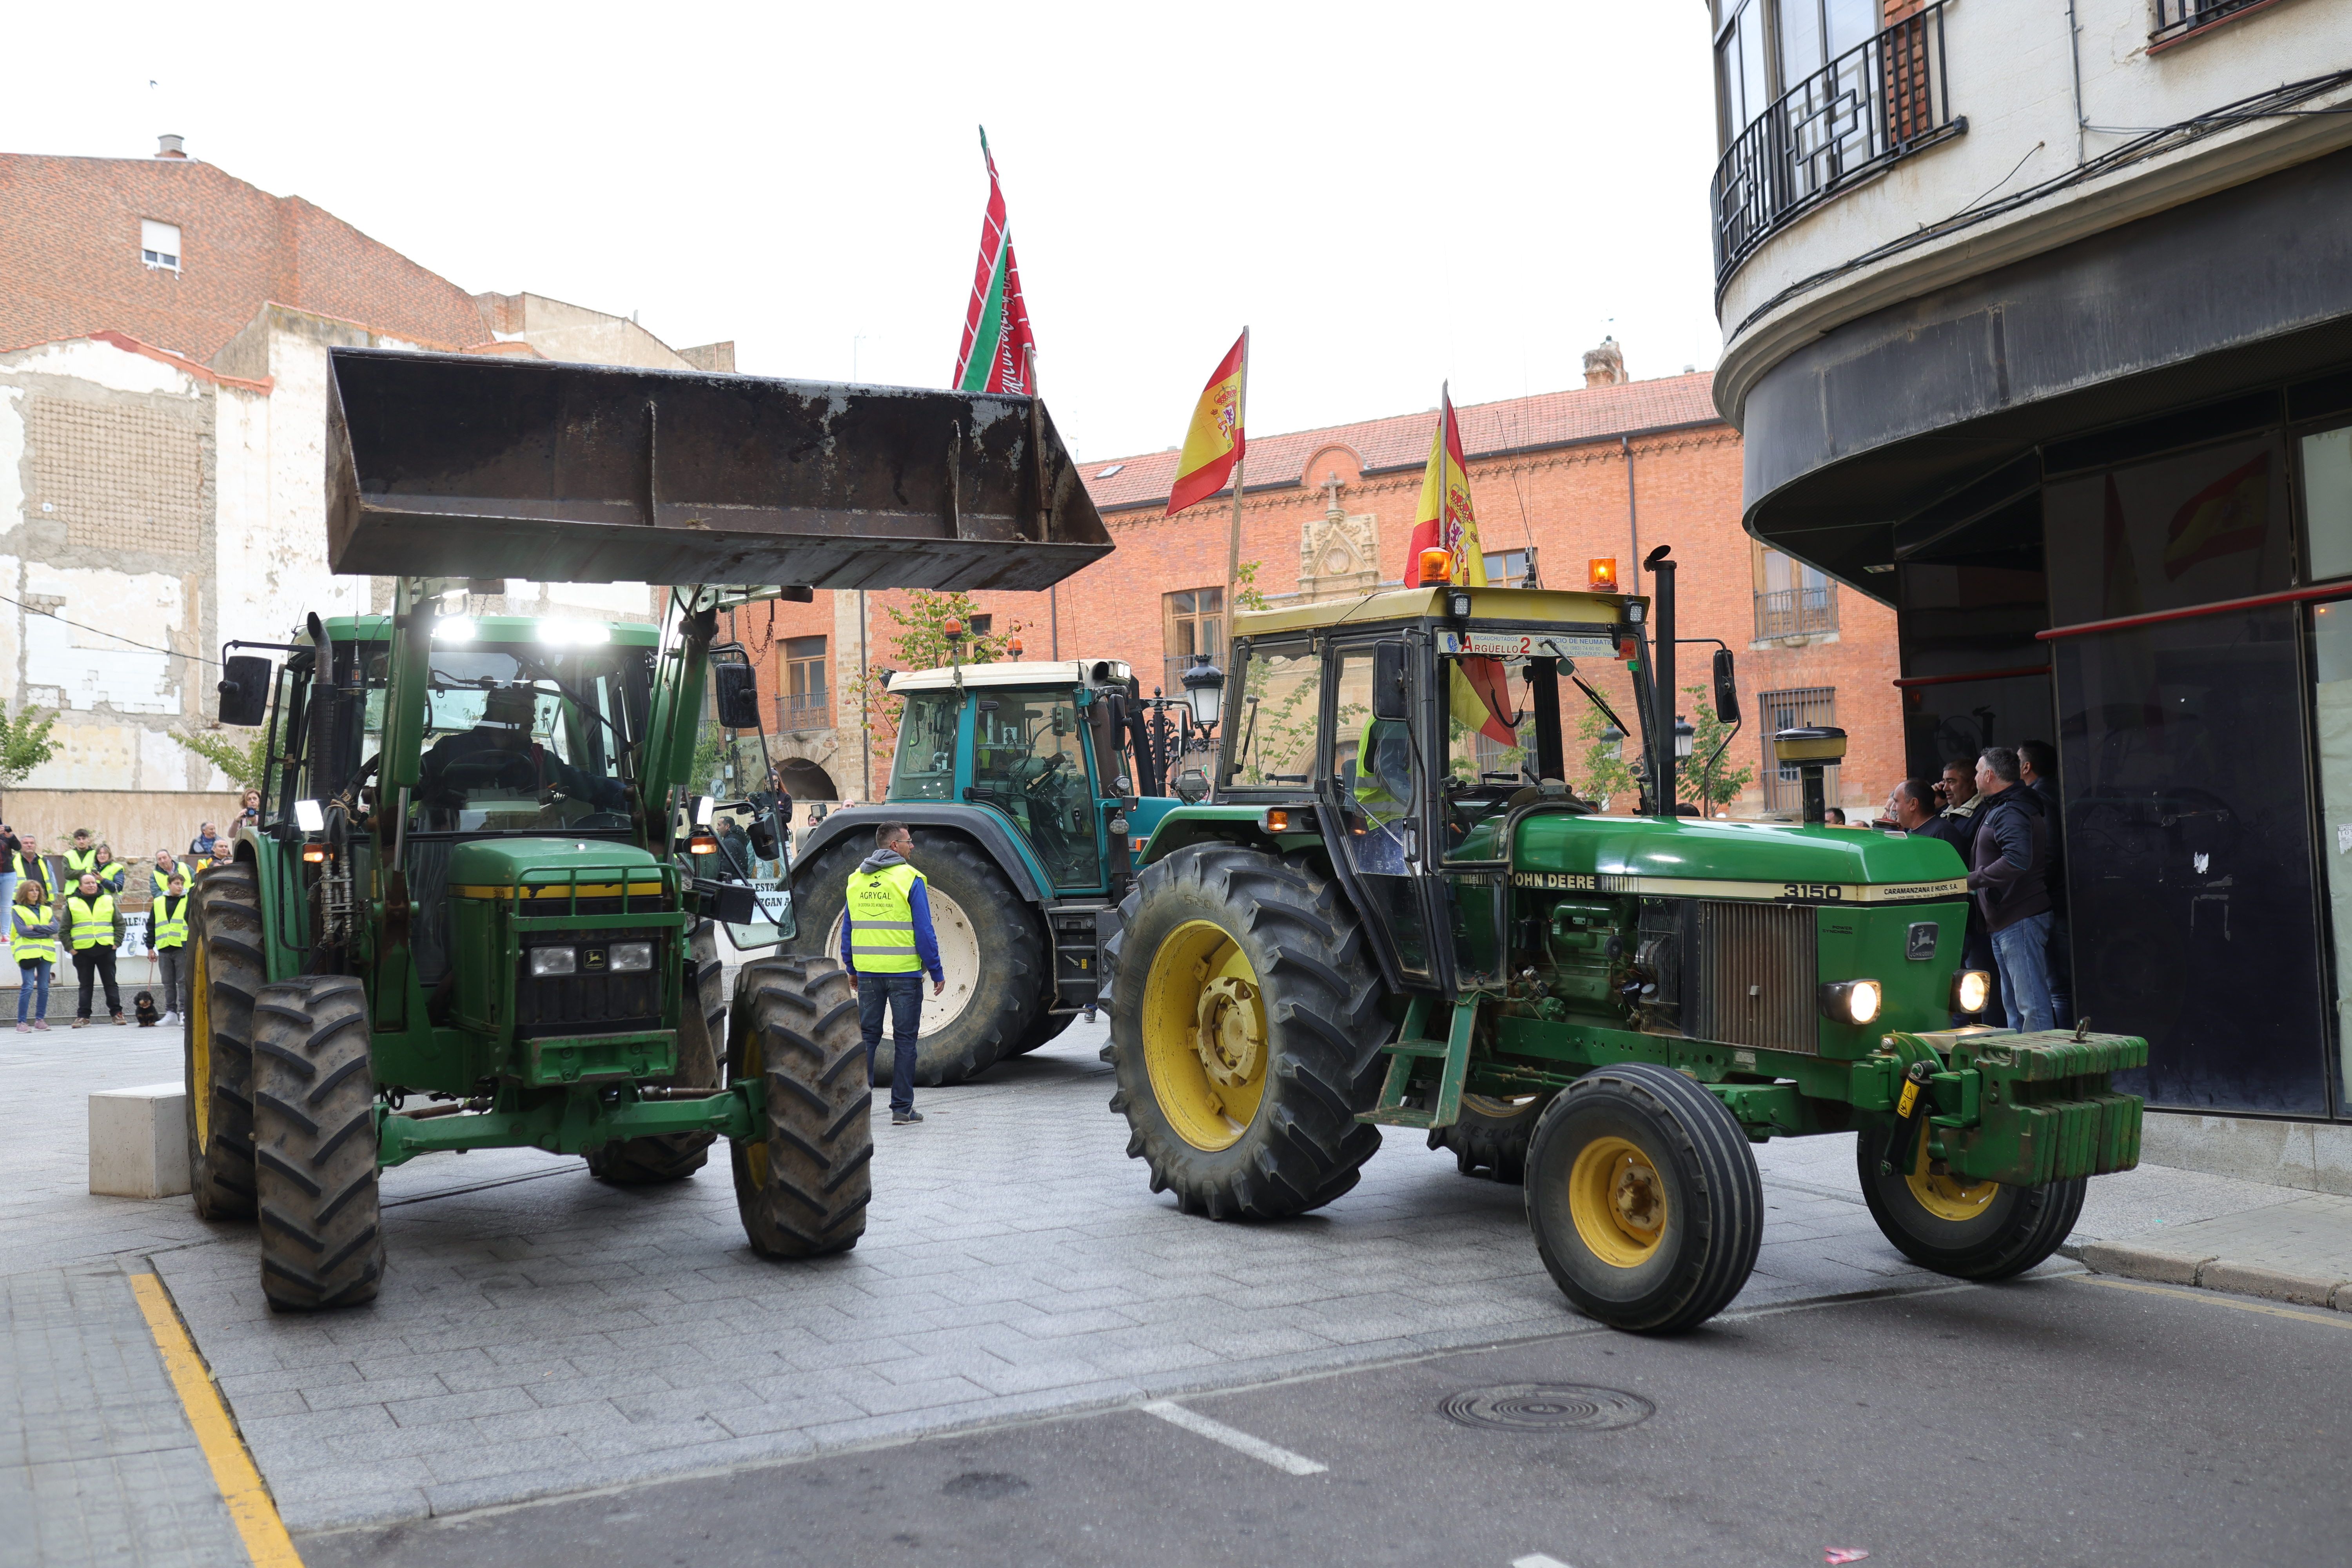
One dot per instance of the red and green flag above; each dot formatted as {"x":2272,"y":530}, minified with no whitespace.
{"x":998,"y":353}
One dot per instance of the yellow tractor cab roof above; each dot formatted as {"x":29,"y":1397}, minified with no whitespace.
{"x":1062,"y":672}
{"x":1518,"y":605}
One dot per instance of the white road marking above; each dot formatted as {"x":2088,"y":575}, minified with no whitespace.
{"x":1239,"y":1442}
{"x":1537,"y":1560}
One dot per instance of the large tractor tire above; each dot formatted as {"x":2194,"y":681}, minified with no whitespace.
{"x":1970,"y":1230}
{"x":1049,"y":1030}
{"x":225,"y":975}
{"x":1645,"y":1199}
{"x":314,"y":1150}
{"x":1245,"y":1032}
{"x":802,"y":1187}
{"x":1491,"y":1138}
{"x":701,"y":1025}
{"x":991,"y":949}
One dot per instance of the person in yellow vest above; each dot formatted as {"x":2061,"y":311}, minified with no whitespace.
{"x":83,"y":856}
{"x":112,"y":874}
{"x":91,"y":928}
{"x":167,"y":938}
{"x":887,"y":945}
{"x":165,"y":867}
{"x":33,"y":867}
{"x":32,"y":938}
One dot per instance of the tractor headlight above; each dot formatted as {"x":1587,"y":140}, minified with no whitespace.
{"x":545,"y":961}
{"x":631,"y":957}
{"x":1971,"y":989}
{"x":1852,"y":1000}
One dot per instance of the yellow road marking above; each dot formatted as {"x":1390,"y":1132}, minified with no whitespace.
{"x":250,"y":1504}
{"x":2212,"y":1299}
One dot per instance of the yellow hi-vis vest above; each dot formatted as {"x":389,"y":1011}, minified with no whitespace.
{"x":882,"y":922}
{"x":26,"y":948}
{"x":80,"y":860}
{"x":93,"y":922}
{"x":159,"y":877}
{"x":167,"y":922}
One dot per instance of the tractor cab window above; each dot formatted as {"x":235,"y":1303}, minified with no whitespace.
{"x":1273,"y":726}
{"x":1376,"y":768}
{"x":1489,"y":733}
{"x":520,"y":739}
{"x":1029,"y":761}
{"x":925,"y":768}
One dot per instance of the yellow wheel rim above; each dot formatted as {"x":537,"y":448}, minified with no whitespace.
{"x":1945,"y":1198}
{"x":1205,"y":1038}
{"x":748,"y":1066}
{"x":1617,"y":1201}
{"x":1495,"y":1106}
{"x":200,"y":1045}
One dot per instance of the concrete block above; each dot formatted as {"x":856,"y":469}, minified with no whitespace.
{"x":2314,"y":1156}
{"x":2250,"y":1279}
{"x":2134,"y":1262}
{"x":139,"y":1141}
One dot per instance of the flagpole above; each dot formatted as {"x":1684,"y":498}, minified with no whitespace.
{"x":1234,"y":537}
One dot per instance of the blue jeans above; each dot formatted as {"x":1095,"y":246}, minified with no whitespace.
{"x":32,"y":976}
{"x":2021,"y":954}
{"x":903,"y":994}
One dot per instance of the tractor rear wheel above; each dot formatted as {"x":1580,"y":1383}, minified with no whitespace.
{"x":1245,"y":1033}
{"x":701,"y":1025}
{"x":314,"y":1152}
{"x":1491,"y":1138}
{"x":1049,"y":1028}
{"x":1970,"y":1230}
{"x":991,"y":950}
{"x":224,"y":974}
{"x":801,"y":1188}
{"x":1645,"y":1199}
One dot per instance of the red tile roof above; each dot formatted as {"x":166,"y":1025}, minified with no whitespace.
{"x":1401,"y":440}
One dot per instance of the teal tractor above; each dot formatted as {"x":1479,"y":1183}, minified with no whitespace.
{"x":1395,"y":913}
{"x":474,"y":913}
{"x":1027,"y":786}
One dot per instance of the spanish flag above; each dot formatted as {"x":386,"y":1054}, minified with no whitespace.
{"x":1444,"y":519}
{"x":1214,"y":443}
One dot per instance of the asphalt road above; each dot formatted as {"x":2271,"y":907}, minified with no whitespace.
{"x":2047,"y":1423}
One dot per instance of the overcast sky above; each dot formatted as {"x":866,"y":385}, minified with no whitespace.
{"x":1389,"y":194}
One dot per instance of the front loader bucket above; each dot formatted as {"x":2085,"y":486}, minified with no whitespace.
{"x":464,"y":466}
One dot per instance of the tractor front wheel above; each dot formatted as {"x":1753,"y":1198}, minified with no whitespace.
{"x":1644,"y":1198}
{"x":701,"y":1025}
{"x":225,"y":975}
{"x":1970,"y":1230}
{"x":802,"y":1187}
{"x":314,"y":1152}
{"x":1491,"y":1137}
{"x":1245,"y":1028}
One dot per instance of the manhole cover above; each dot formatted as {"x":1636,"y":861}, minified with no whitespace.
{"x":1546,"y":1407}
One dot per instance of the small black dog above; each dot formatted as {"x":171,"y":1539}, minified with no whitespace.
{"x":143,"y":1004}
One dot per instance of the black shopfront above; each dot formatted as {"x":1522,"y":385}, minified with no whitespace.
{"x":2109,"y":492}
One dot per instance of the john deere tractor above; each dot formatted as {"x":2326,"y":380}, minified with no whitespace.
{"x":1026,"y":784}
{"x":469,"y":917}
{"x":1395,"y":913}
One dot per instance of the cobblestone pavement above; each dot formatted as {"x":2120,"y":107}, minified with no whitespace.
{"x":541,"y":1334}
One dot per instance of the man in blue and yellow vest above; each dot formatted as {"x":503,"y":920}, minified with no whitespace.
{"x":167,"y":937}
{"x":91,"y":928}
{"x":888,"y":946}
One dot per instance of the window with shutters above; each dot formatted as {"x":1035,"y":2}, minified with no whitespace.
{"x":1192,"y":622}
{"x":159,"y":245}
{"x":804,"y":699}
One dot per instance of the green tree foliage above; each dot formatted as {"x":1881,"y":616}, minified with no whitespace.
{"x":1606,"y":774}
{"x":24,"y":743}
{"x":922,"y":642}
{"x":245,"y":761}
{"x":1703,"y":780}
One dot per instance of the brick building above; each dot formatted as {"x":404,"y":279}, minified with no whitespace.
{"x":1612,"y":468}
{"x":163,"y":334}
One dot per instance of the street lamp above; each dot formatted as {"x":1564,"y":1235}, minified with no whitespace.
{"x":1613,"y":739}
{"x":1683,"y":734}
{"x":1204,"y":689}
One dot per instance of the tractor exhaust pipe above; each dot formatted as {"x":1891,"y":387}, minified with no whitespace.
{"x":1661,"y":726}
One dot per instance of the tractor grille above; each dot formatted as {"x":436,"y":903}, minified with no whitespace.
{"x":597,"y":1004}
{"x":1750,"y":976}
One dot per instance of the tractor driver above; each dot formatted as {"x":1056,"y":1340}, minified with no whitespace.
{"x":499,"y":756}
{"x":1383,"y":790}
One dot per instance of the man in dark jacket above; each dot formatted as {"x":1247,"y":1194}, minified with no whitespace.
{"x":2037,"y":766}
{"x":2006,"y":861}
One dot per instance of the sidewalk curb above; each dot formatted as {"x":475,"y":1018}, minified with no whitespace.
{"x":2214,"y":1273}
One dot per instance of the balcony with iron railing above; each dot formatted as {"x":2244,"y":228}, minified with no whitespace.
{"x":2179,"y":19}
{"x":1882,"y":100}
{"x":803,"y":710}
{"x":1796,"y":612}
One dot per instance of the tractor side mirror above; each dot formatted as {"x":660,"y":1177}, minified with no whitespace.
{"x":1388,"y":681}
{"x":762,"y":834}
{"x":1727,"y":688}
{"x":245,"y":691}
{"x":738,"y":696}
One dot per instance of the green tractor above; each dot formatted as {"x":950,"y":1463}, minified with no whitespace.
{"x":1028,"y":783}
{"x":468,"y":916}
{"x":1393,"y":912}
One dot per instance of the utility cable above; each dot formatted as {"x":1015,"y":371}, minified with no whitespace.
{"x":101,"y":631}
